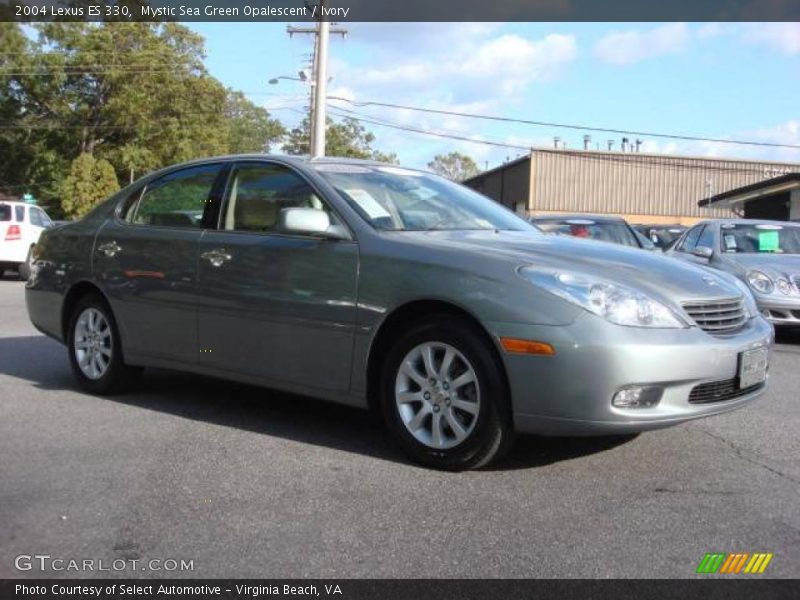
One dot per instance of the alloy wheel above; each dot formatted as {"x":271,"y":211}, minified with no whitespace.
{"x":437,"y":395}
{"x":93,"y":343}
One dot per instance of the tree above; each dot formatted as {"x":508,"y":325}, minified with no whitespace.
{"x":89,"y":182}
{"x":135,"y":94}
{"x":455,"y":166}
{"x":347,"y":138}
{"x":250,"y":128}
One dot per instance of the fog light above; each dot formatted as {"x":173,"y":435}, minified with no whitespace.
{"x":637,"y":396}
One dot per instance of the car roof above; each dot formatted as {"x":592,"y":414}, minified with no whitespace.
{"x":748,"y":222}
{"x":297,"y":160}
{"x":576,"y":217}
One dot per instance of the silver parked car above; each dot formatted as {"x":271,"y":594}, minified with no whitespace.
{"x":764,"y":254}
{"x":378,"y":286}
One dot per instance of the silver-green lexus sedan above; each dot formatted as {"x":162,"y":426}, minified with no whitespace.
{"x":379,"y":286}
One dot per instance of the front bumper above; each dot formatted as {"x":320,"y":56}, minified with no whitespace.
{"x":780,"y":311}
{"x":570,"y":393}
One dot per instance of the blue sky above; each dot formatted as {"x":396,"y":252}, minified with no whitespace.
{"x":729,"y":81}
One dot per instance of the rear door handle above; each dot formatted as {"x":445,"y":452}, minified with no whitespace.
{"x":110,"y":249}
{"x":217,"y":257}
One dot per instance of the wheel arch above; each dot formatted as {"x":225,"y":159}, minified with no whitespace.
{"x":77,"y":291}
{"x":399,"y":320}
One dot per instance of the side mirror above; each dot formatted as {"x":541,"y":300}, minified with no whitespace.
{"x":703,"y":252}
{"x":309,"y":221}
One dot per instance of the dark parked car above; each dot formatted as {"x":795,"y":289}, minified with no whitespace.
{"x":378,"y":286}
{"x":662,"y":236}
{"x":603,"y":228}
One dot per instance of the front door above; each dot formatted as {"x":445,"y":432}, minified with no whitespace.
{"x":273,"y":305}
{"x":146,"y":261}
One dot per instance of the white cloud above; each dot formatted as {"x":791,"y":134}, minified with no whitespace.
{"x":514,"y":61}
{"x":712,"y":30}
{"x":439,"y":67}
{"x":783,"y":37}
{"x":627,"y":47}
{"x":484,"y":66}
{"x":787,"y":133}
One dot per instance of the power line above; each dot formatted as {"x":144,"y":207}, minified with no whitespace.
{"x":566,"y":126}
{"x":632,"y":159}
{"x":409,"y":128}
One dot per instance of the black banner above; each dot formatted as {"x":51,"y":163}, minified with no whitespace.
{"x":399,"y":10}
{"x":412,"y":589}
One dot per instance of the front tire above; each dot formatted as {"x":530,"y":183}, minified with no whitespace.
{"x":444,"y":396}
{"x":95,"y":349}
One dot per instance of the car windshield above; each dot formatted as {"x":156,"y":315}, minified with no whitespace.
{"x":604,"y":231}
{"x":761,"y":239}
{"x":397,"y":199}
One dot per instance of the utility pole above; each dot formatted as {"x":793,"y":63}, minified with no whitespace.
{"x":321,"y":89}
{"x":319,"y":77}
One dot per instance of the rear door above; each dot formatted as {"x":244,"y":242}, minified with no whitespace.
{"x":146,"y":260}
{"x":273,"y":305}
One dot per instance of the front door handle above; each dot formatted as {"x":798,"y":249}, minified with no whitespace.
{"x":216,"y":257}
{"x":110,"y":249}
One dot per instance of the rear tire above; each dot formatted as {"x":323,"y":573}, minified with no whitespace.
{"x":444,"y":396}
{"x":95,"y":349}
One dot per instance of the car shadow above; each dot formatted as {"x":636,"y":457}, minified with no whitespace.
{"x":43,"y":362}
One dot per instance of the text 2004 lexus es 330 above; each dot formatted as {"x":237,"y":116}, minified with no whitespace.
{"x":373,"y":285}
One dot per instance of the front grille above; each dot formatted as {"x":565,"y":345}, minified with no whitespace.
{"x":719,"y":391}
{"x":720,"y":316}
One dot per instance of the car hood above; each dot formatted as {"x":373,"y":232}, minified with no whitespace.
{"x":662,"y":277}
{"x":774,"y":265}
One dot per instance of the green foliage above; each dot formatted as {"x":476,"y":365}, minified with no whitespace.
{"x":250,"y":129}
{"x":455,"y":166}
{"x":135,"y":94}
{"x":89,"y":182}
{"x":347,"y":138}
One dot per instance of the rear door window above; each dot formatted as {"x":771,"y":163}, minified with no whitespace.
{"x":19,"y":214}
{"x":178,"y":199}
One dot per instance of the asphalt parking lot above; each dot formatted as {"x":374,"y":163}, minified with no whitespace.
{"x":251,"y":483}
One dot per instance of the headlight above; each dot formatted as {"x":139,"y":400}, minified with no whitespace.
{"x":760,"y":282}
{"x":615,"y":303}
{"x":784,"y":287}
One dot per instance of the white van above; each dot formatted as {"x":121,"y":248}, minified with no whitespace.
{"x":20,"y":226}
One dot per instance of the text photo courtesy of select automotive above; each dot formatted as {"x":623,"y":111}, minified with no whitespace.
{"x":365,"y":323}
